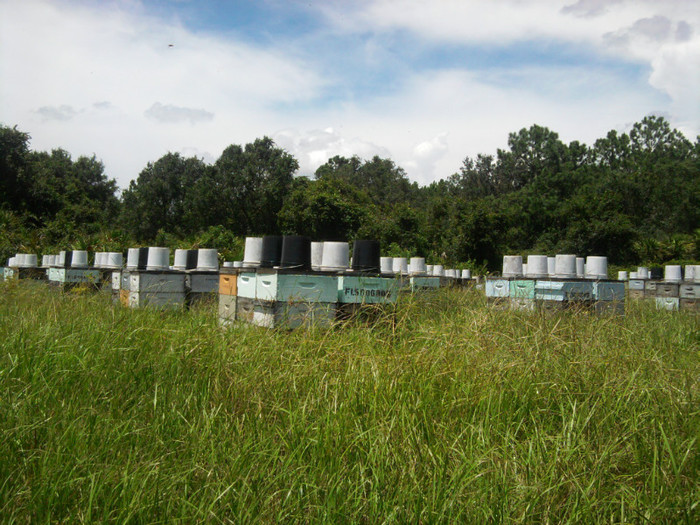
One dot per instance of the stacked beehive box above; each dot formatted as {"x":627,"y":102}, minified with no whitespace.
{"x":546,"y":288}
{"x":156,"y":286}
{"x":71,"y":271}
{"x":278,"y":290}
{"x":674,"y":291}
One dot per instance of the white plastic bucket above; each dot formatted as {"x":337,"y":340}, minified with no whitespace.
{"x":228,"y":264}
{"x":512,"y":266}
{"x":132,"y":259}
{"x":642,"y":272}
{"x":634,"y":275}
{"x":429,"y":269}
{"x":80,"y":259}
{"x":12,"y":263}
{"x":438,"y":270}
{"x":417,"y":266}
{"x":207,"y":260}
{"x":238,"y":264}
{"x":692,"y":273}
{"x":253,"y":252}
{"x":672,"y":273}
{"x":537,"y":266}
{"x":316,"y":255}
{"x":580,"y":267}
{"x":596,"y":267}
{"x":113,"y":260}
{"x":565,"y":266}
{"x":158,"y":258}
{"x":400,"y":265}
{"x":180,"y":260}
{"x":335,"y":256}
{"x":622,"y":275}
{"x":386,"y":264}
{"x":466,"y":274}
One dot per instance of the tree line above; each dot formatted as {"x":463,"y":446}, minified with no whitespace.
{"x":634,"y":197}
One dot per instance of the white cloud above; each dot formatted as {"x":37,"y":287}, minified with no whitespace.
{"x":169,"y":114}
{"x":101,"y":78}
{"x":113,"y":61}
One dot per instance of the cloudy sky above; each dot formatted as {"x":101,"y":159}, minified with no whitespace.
{"x":425,"y":83}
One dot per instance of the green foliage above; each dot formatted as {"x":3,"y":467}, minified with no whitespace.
{"x":328,"y":209}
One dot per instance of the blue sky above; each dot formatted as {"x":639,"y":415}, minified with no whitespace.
{"x":423,"y":83}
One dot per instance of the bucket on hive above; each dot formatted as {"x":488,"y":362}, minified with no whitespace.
{"x":158,"y":258}
{"x":228,"y":264}
{"x":622,"y":275}
{"x":537,"y":266}
{"x":271,"y":251}
{"x":672,"y":273}
{"x":642,"y":272}
{"x":386,"y":265}
{"x":438,"y":270}
{"x":400,"y":265}
{"x":512,"y":266}
{"x":296,"y":252}
{"x":207,"y":260}
{"x":580,"y":267}
{"x":634,"y":275}
{"x":365,"y":256}
{"x":466,"y":274}
{"x":417,"y":266}
{"x":132,"y":259}
{"x":596,"y":267}
{"x":692,"y":273}
{"x":316,"y":255}
{"x":252,"y":253}
{"x":238,"y":264}
{"x":429,"y":269}
{"x":180,"y":260}
{"x":565,"y":266}
{"x":335,"y":256}
{"x":551,"y":266}
{"x":114,"y":260}
{"x":80,"y":259}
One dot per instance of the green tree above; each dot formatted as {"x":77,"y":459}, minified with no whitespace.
{"x":328,"y":209}
{"x":249,"y":186}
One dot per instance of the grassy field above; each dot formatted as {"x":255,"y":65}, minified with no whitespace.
{"x":445,"y":411}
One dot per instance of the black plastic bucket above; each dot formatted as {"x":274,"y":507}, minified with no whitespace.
{"x":271,"y":254}
{"x":366,"y":256}
{"x":296,"y":252}
{"x":656,"y":273}
{"x":191,"y":263}
{"x":143,"y":258}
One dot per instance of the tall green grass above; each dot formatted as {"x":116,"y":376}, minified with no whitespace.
{"x":440,"y":411}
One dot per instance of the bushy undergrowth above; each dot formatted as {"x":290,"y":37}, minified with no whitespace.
{"x":440,"y":411}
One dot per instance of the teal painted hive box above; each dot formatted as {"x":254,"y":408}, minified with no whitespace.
{"x":279,"y":285}
{"x":366,"y":289}
{"x":522,"y":289}
{"x":424,"y":283}
{"x":246,"y":284}
{"x":609,"y":291}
